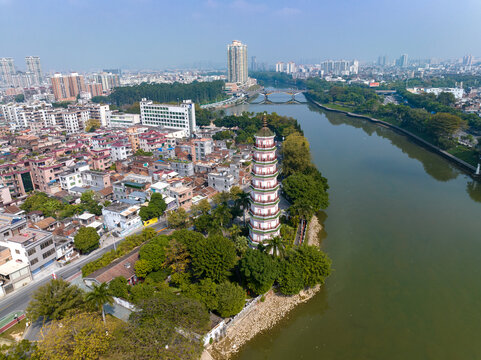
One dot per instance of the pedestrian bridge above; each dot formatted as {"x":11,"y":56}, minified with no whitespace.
{"x":292,"y":100}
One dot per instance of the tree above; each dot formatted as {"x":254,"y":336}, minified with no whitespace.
{"x":201,"y":208}
{"x":231,"y":299}
{"x":307,"y":191}
{"x":444,"y":124}
{"x":154,"y":252}
{"x":153,"y":332}
{"x":42,"y":202}
{"x":296,"y":154}
{"x":80,"y":336}
{"x":276,"y":246}
{"x":241,"y":244}
{"x":142,"y":268}
{"x":141,"y":152}
{"x":205,"y":291}
{"x":155,"y":209}
{"x":259,"y":271}
{"x":90,"y":203}
{"x":314,"y":264}
{"x":446,"y":98}
{"x":19,"y":98}
{"x":222,"y":215}
{"x":92,"y":124}
{"x":290,"y":279}
{"x":118,"y":287}
{"x":178,"y":218}
{"x":99,"y":296}
{"x":177,"y":257}
{"x":87,"y":239}
{"x":204,"y":223}
{"x":214,"y":258}
{"x":243,"y":200}
{"x":54,"y":299}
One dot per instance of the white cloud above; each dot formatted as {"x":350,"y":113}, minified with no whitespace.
{"x":243,"y":5}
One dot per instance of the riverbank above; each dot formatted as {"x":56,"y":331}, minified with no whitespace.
{"x":467,"y":168}
{"x":263,"y":316}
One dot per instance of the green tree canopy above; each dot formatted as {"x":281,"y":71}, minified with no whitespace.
{"x":308,"y":190}
{"x":296,"y":155}
{"x":98,"y":297}
{"x":142,"y":268}
{"x":86,"y":240}
{"x":231,"y":299}
{"x":214,"y":258}
{"x":178,"y":218}
{"x":154,"y":252}
{"x":118,"y":287}
{"x":54,"y":299}
{"x":290,"y":278}
{"x":259,"y":271}
{"x":314,"y":264}
{"x":155,"y":209}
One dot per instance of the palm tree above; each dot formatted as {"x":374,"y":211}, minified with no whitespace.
{"x":276,"y":246}
{"x":99,"y":296}
{"x":243,"y":200}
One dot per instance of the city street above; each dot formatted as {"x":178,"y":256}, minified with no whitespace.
{"x":19,"y":299}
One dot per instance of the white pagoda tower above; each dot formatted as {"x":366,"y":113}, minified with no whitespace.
{"x":264,"y":210}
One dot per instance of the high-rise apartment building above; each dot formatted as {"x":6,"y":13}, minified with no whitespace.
{"x":253,"y":63}
{"x":237,"y":62}
{"x":34,"y":68}
{"x":67,"y":87}
{"x":402,"y":61}
{"x":280,"y":67}
{"x":170,"y":116}
{"x":7,"y":70}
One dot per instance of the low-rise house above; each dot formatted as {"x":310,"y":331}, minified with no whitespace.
{"x":121,"y":217}
{"x":13,"y":275}
{"x":123,"y":266}
{"x":33,"y":247}
{"x":47,"y":224}
{"x":86,"y":218}
{"x":65,"y":250}
{"x":94,"y":178}
{"x":182,"y":195}
{"x":221,"y":181}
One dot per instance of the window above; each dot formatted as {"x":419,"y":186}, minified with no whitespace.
{"x":46,"y":243}
{"x":31,"y":252}
{"x":17,"y":251}
{"x":33,"y":261}
{"x":48,"y":253}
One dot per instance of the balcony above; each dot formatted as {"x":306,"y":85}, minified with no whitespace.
{"x":260,"y":187}
{"x":265,"y":215}
{"x":273,"y":146}
{"x":264,"y":159}
{"x":267,"y":174}
{"x":270,"y":200}
{"x":265,"y":228}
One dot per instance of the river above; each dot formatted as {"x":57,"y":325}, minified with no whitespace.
{"x":404,"y":232}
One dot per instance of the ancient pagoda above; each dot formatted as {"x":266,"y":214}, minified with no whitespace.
{"x":264,"y":211}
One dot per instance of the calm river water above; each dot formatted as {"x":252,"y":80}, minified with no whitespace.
{"x":404,"y":232}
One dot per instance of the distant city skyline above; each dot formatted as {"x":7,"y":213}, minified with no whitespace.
{"x":69,"y":36}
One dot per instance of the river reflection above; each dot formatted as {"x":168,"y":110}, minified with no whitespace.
{"x":403,"y":232}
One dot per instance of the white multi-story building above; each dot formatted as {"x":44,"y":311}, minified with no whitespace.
{"x":21,"y":116}
{"x":280,"y":67}
{"x":237,"y":62}
{"x":74,"y":121}
{"x":121,"y":217}
{"x":120,"y":151}
{"x":118,"y":120}
{"x":7,"y":70}
{"x":169,"y":116}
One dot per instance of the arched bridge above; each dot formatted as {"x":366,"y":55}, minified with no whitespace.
{"x":292,"y":92}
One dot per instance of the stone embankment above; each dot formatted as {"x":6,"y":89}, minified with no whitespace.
{"x":313,"y":230}
{"x":265,"y":315}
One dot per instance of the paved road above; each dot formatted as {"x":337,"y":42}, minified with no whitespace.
{"x":19,"y":299}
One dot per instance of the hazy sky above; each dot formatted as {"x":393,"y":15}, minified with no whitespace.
{"x":141,"y":34}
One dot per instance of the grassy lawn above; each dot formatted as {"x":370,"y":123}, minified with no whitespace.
{"x":16,"y":329}
{"x":338,"y":107}
{"x":465,"y":153}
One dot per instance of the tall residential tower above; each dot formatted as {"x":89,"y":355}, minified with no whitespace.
{"x":34,"y":68}
{"x":237,"y":62}
{"x":264,"y":210}
{"x":7,"y":70}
